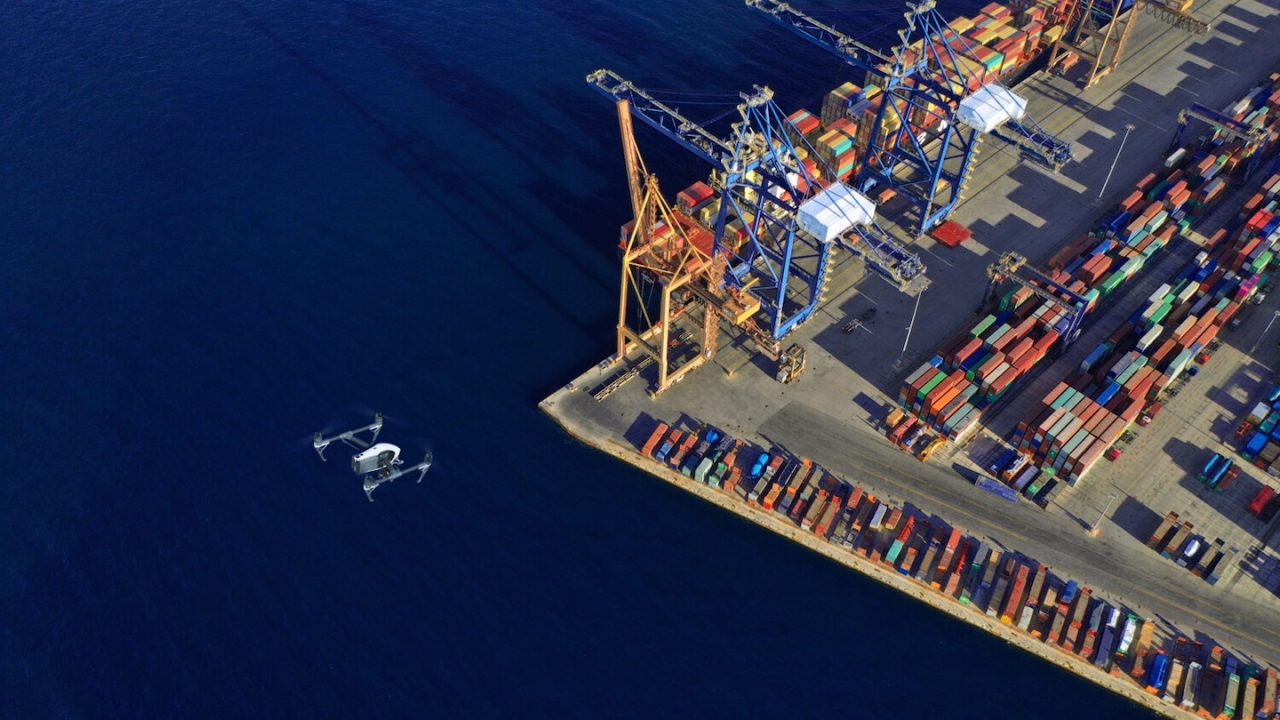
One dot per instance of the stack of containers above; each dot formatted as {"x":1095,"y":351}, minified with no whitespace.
{"x":838,"y":101}
{"x":1072,"y":426}
{"x":804,"y":129}
{"x":1158,"y":343}
{"x":951,"y":390}
{"x":836,"y":147}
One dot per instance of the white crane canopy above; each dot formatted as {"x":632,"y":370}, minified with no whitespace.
{"x":831,"y":212}
{"x":990,"y":107}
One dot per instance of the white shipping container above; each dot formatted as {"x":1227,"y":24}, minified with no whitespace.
{"x":1150,"y":337}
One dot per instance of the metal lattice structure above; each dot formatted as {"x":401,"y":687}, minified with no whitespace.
{"x":1013,"y":267}
{"x":1252,"y":137}
{"x":918,"y":145}
{"x":776,"y":268}
{"x":1101,"y":31}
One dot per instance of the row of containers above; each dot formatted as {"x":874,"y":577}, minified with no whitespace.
{"x":1017,"y":590}
{"x":1075,"y":425}
{"x":1178,"y":541}
{"x":1177,"y":325}
{"x":989,"y":46}
{"x":1258,"y":433}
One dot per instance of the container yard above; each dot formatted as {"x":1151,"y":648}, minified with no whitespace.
{"x":1052,"y":408}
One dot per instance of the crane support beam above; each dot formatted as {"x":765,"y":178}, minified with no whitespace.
{"x":1224,"y":123}
{"x":1013,"y":267}
{"x":1101,"y":20}
{"x":916,"y":146}
{"x":821,"y":34}
{"x":665,"y":119}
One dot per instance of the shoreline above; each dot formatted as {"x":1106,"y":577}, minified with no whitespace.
{"x":1114,"y":681}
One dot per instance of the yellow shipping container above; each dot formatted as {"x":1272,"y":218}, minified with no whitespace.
{"x":962,"y":25}
{"x":1050,"y":36}
{"x":1003,"y":30}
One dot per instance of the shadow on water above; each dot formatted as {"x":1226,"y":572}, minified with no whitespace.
{"x":411,"y":152}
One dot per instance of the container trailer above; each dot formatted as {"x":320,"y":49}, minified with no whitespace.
{"x":1231,"y":696}
{"x":1249,"y":698}
{"x":1191,"y":685}
{"x":996,"y":601}
{"x":1260,"y":500}
{"x":997,"y":488}
{"x":654,"y":439}
{"x":1159,"y":673}
{"x":1013,"y":603}
{"x":1163,"y":532}
{"x":1175,"y":680}
{"x":1127,"y":635}
{"x":1268,"y":704}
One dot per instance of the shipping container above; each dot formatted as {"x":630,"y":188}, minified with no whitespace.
{"x":654,"y":438}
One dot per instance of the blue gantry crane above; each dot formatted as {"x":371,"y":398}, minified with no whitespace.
{"x":929,"y":124}
{"x":1014,"y":267}
{"x":793,"y":219}
{"x":1251,"y":136}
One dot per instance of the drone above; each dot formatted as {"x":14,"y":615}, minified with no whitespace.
{"x":377,"y":462}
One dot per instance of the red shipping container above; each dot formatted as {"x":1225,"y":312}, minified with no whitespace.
{"x":1006,"y":378}
{"x":1129,"y":203}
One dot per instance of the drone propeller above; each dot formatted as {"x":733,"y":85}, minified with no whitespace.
{"x":364,"y":410}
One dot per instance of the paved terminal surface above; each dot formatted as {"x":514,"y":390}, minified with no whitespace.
{"x":832,"y":414}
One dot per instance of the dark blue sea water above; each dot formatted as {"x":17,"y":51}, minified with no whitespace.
{"x":227,"y":224}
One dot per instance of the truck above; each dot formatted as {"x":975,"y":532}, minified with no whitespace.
{"x":997,"y":488}
{"x":1211,"y":467}
{"x":1159,"y":673}
{"x":1149,"y":413}
{"x":1260,"y":500}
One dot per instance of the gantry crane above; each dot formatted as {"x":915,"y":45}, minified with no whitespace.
{"x":668,"y":251}
{"x":1012,"y":266}
{"x":927,"y":127}
{"x":1252,"y":137}
{"x":1100,"y":22}
{"x":782,"y":265}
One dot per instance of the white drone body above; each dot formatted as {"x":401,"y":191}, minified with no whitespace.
{"x":377,"y":462}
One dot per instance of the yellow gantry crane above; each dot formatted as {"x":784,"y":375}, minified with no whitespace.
{"x":665,"y":252}
{"x":1104,"y":25}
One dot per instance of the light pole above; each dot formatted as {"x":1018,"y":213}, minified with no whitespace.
{"x":1274,"y":315}
{"x":1110,"y":499}
{"x":1128,"y":128}
{"x":910,"y":325}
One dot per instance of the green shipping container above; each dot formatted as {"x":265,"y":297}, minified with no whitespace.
{"x":983,"y":326}
{"x":1111,"y":283}
{"x":1161,"y":312}
{"x":929,"y":386}
{"x":1068,"y":395}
